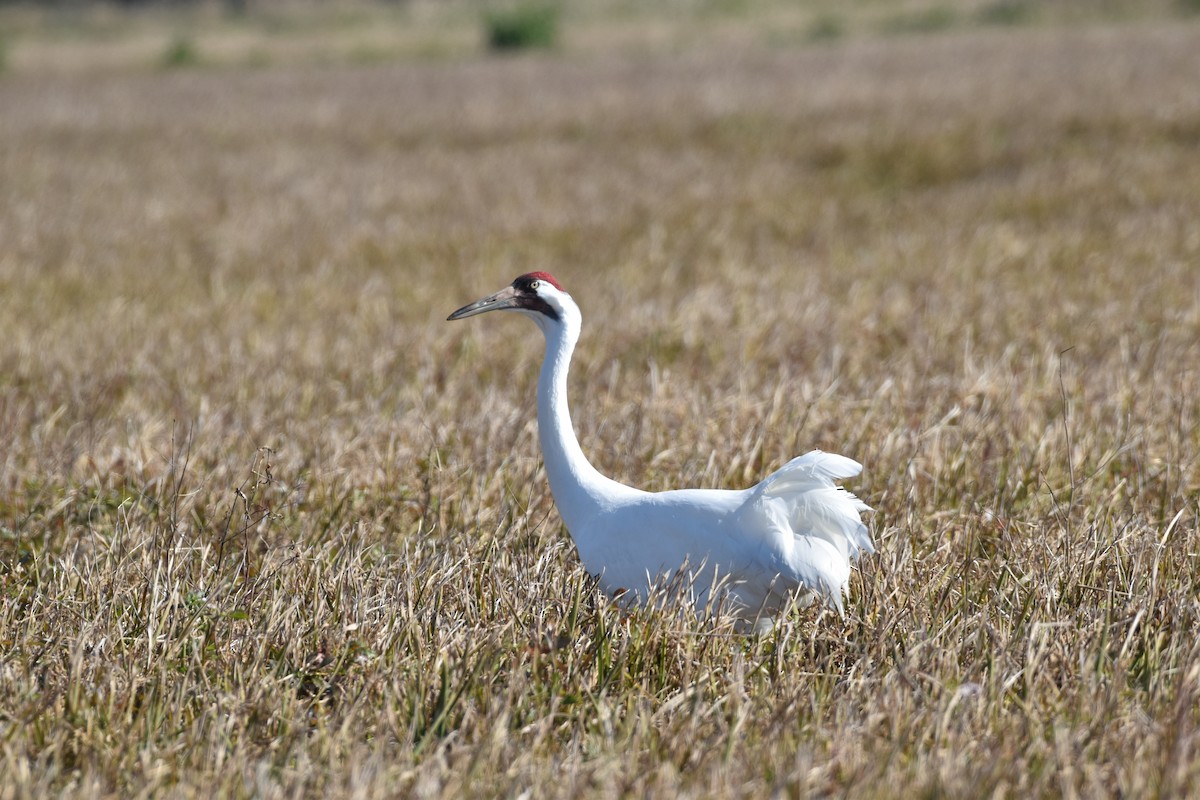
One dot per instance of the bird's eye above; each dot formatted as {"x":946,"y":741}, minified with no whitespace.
{"x":533,"y":285}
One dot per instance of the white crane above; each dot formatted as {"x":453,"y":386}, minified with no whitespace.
{"x":751,"y":551}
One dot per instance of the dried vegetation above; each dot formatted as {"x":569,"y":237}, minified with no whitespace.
{"x":269,"y":527}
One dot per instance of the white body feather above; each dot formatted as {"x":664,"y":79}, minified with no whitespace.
{"x":791,"y":536}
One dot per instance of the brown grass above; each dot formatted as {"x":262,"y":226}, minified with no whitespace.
{"x":270,"y":527}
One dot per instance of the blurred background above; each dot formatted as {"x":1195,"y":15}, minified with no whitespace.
{"x":81,"y":35}
{"x":249,"y":219}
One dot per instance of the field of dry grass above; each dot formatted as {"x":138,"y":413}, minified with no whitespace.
{"x":270,"y":527}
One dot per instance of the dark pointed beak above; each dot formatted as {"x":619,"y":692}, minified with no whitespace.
{"x":505,"y":298}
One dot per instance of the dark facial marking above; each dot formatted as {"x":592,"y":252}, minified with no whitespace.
{"x":527,"y":296}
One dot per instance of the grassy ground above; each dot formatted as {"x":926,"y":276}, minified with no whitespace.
{"x":270,"y":527}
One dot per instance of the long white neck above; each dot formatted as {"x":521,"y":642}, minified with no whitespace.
{"x":579,"y":489}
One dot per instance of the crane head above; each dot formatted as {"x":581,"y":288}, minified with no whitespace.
{"x":534,"y":293}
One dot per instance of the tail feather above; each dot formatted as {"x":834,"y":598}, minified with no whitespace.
{"x":802,"y":500}
{"x":817,"y":505}
{"x":816,"y":465}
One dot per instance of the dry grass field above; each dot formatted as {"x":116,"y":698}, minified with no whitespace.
{"x":270,"y":527}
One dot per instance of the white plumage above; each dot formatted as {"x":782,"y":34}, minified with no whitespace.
{"x":750,"y":552}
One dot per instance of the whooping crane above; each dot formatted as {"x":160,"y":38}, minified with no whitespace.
{"x":750,"y":552}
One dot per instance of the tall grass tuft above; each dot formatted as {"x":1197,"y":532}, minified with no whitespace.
{"x":180,"y":52}
{"x":521,"y":27}
{"x":825,"y":27}
{"x":1006,"y":12}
